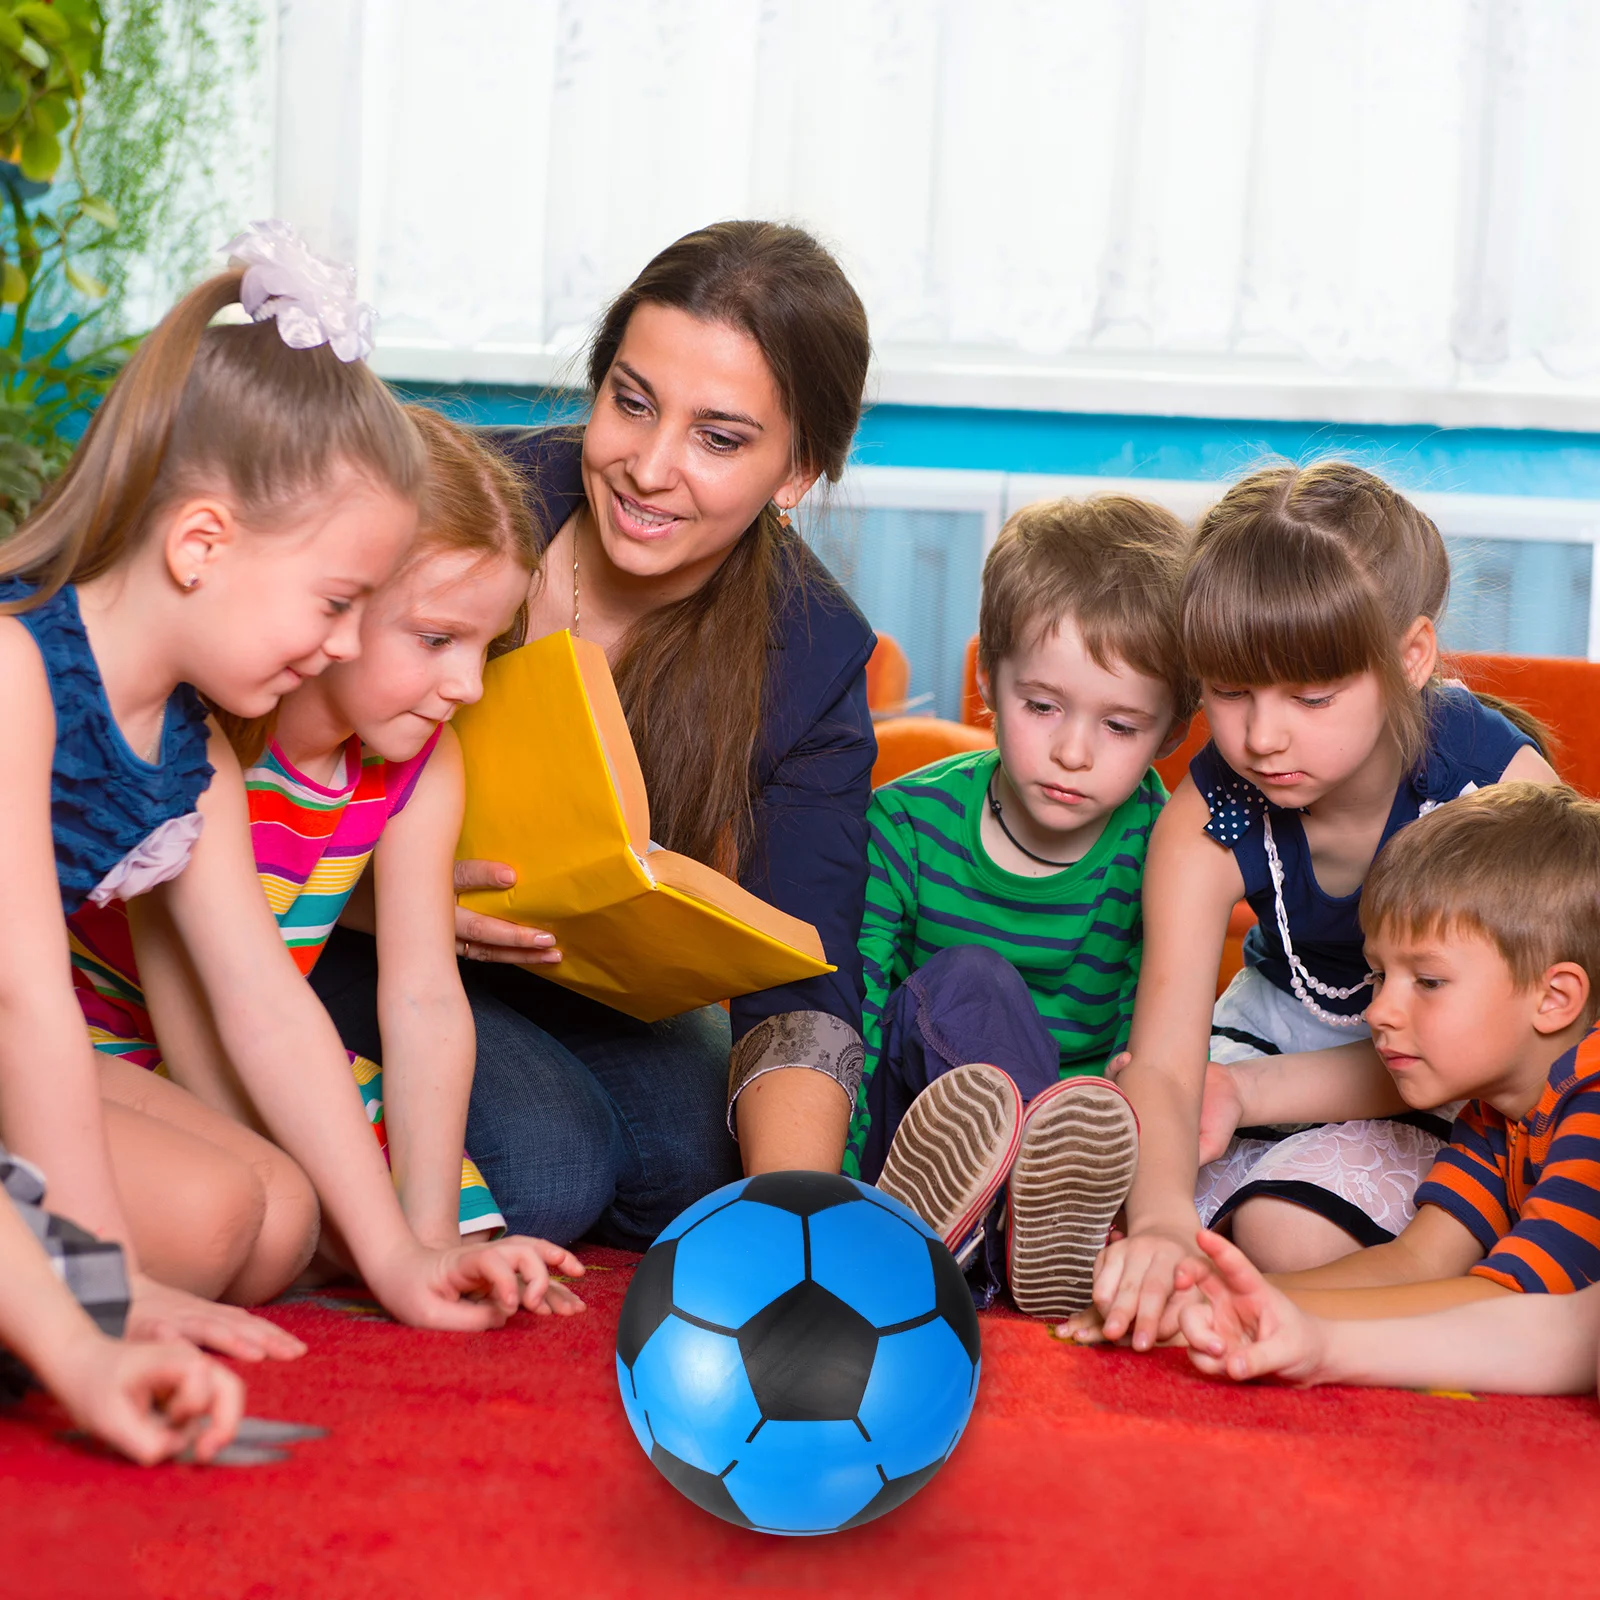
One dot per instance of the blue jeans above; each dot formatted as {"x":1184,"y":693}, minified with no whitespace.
{"x":585,"y":1123}
{"x":967,"y":1003}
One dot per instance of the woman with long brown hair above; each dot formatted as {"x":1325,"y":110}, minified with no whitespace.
{"x":725,"y":381}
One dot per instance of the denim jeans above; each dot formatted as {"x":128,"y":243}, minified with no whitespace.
{"x":967,"y":1003}
{"x":584,"y":1122}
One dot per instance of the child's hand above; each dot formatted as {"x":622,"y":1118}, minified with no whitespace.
{"x":1134,"y":1291}
{"x":1221,"y":1111}
{"x":150,"y":1401}
{"x":159,"y":1312}
{"x":1244,"y":1327}
{"x":468,"y":1288}
{"x":1087,"y":1326}
{"x":481,"y":938}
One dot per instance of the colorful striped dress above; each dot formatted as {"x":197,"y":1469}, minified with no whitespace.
{"x":312,"y":843}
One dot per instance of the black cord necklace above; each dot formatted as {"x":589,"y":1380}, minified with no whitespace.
{"x":999,"y":816}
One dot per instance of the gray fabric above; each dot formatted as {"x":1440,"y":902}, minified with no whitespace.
{"x":93,"y":1270}
{"x":811,"y":1039}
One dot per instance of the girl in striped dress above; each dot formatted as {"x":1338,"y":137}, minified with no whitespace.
{"x":359,"y":771}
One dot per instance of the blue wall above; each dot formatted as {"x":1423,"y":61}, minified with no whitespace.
{"x":1443,"y":460}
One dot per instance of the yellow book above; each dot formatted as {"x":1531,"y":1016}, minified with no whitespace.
{"x":554,"y":789}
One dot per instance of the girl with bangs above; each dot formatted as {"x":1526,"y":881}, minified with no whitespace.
{"x":1309,"y":614}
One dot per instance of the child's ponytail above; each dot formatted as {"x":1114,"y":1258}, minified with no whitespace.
{"x":229,"y":409}
{"x":88,"y":516}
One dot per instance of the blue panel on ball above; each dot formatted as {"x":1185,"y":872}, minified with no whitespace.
{"x":703,"y":1207}
{"x":635,"y":1411}
{"x":692,"y":1388}
{"x":804,"y":1477}
{"x":878,"y":1198}
{"x":918,"y":1397}
{"x":737,"y":1261}
{"x":873,"y":1262}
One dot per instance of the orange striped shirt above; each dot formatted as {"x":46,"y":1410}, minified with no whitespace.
{"x":1529,"y":1191}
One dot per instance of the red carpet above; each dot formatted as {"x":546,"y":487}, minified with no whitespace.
{"x":501,"y":1466}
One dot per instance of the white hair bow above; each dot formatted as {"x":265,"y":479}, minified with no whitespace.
{"x":313,"y":301}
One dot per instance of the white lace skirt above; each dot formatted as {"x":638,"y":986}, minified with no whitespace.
{"x":1361,"y":1176}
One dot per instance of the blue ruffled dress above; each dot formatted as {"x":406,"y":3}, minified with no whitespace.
{"x":121,"y":825}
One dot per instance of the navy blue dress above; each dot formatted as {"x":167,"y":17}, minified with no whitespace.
{"x":586,"y":1122}
{"x":1468,"y":745}
{"x":108,"y":808}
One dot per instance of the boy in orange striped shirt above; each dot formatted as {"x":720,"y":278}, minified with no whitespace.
{"x":1483,"y":929}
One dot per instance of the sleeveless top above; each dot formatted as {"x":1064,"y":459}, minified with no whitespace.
{"x":311,"y":845}
{"x":121,"y":825}
{"x":1468,"y":745}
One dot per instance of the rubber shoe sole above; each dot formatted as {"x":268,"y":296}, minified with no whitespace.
{"x":1080,"y":1150}
{"x":954,"y":1149}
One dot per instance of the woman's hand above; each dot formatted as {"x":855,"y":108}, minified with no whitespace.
{"x":150,"y":1401}
{"x":481,"y":938}
{"x":159,"y":1313}
{"x":469,"y":1288}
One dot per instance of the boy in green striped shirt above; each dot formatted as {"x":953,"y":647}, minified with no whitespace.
{"x":1002,"y":933}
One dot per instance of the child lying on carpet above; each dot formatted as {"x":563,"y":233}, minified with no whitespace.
{"x":63,"y":1299}
{"x":1003,"y":907}
{"x":1308,"y":613}
{"x":361,"y":768}
{"x":1482,"y":935}
{"x":231,"y":506}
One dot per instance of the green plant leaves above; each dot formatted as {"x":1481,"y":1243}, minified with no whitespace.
{"x":98,"y":210}
{"x":41,"y":153}
{"x":44,"y":22}
{"x":83,"y":283}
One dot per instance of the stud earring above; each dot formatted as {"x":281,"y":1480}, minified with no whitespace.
{"x":192,"y":581}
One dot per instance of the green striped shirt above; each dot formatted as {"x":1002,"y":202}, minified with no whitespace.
{"x":1075,"y":936}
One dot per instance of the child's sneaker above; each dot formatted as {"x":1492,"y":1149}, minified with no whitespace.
{"x":952,"y":1151}
{"x":1080,"y":1150}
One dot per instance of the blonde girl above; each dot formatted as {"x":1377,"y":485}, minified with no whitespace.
{"x":360,"y":768}
{"x":1309,"y":615}
{"x":231,"y":507}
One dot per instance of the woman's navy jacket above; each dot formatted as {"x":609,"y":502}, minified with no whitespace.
{"x":814,"y":767}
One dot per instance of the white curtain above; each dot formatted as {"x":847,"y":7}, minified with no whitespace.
{"x":1403,"y":192}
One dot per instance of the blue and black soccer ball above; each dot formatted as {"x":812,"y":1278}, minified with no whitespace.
{"x":798,"y":1353}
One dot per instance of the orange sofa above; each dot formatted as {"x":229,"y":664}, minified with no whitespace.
{"x":906,"y":743}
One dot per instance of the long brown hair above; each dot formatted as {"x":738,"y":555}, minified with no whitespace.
{"x":472,"y":500}
{"x":1308,"y":574}
{"x":231,"y":408}
{"x":692,"y":675}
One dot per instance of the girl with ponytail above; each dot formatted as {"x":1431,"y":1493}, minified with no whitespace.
{"x":237,"y":497}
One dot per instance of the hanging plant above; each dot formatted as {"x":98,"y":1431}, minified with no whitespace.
{"x":51,"y":371}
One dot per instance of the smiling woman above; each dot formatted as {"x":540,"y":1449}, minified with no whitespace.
{"x":726,"y":380}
